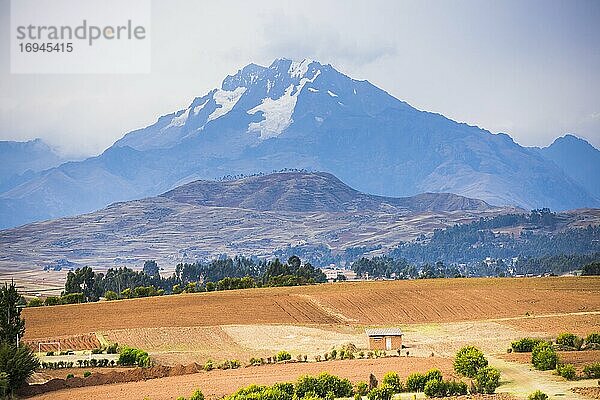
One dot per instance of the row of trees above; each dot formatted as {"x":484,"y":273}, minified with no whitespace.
{"x":224,"y":273}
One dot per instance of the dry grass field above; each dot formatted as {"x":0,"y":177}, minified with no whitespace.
{"x":438,"y":316}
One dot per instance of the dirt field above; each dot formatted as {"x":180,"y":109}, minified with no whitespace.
{"x":74,"y":342}
{"x":216,"y":384}
{"x":437,"y":316}
{"x":362,"y":303}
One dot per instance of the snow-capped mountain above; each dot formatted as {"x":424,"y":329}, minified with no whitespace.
{"x":302,"y":115}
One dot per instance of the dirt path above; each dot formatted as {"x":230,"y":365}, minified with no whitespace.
{"x":521,"y":379}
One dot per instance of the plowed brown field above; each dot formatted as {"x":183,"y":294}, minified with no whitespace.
{"x":216,"y":384}
{"x":357,"y":303}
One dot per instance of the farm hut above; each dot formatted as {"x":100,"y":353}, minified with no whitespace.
{"x":384,"y":338}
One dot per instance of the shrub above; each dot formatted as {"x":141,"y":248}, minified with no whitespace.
{"x":112,"y":348}
{"x":525,"y":345}
{"x":208,"y":365}
{"x":593,"y":338}
{"x":69,"y":376}
{"x":283,"y":356}
{"x":97,"y":351}
{"x":362,"y":388}
{"x":433,"y":374}
{"x":468,"y":361}
{"x":51,"y":301}
{"x":380,"y":393}
{"x":543,"y":357}
{"x":456,"y":388}
{"x":323,"y":384}
{"x":197,"y":395}
{"x":538,"y":395}
{"x":133,"y":356}
{"x":415,"y":382}
{"x":86,"y":374}
{"x":567,"y":371}
{"x":50,"y":353}
{"x":19,"y":363}
{"x":110,"y":295}
{"x":592,"y":370}
{"x":566,"y":339}
{"x":35,"y":302}
{"x":435,"y":388}
{"x":487,"y":380}
{"x":393,"y":381}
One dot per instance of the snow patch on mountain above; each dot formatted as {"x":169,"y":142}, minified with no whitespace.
{"x":179,"y":120}
{"x":299,"y":69}
{"x":199,"y":107}
{"x":310,"y":89}
{"x":227,"y":100}
{"x":277,"y":113}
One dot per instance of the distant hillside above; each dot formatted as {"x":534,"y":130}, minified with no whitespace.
{"x":578,"y":159}
{"x":309,"y":192}
{"x":24,"y":157}
{"x":255,"y":216}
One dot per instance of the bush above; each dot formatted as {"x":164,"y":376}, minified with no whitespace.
{"x":380,"y":393}
{"x":525,"y":345}
{"x":435,"y":388}
{"x":433,"y":375}
{"x":415,"y":382}
{"x":392,"y":380}
{"x":283,"y":356}
{"x":468,"y":361}
{"x":593,"y":338}
{"x":538,"y":395}
{"x":567,"y":371}
{"x":197,"y":395}
{"x":362,"y":388}
{"x":69,"y":376}
{"x":86,"y":374}
{"x":208,"y":365}
{"x":35,"y":302}
{"x":323,"y":384}
{"x":566,"y":339}
{"x":456,"y":388}
{"x":487,"y":380}
{"x":19,"y":363}
{"x":133,"y":356}
{"x":543,"y":357}
{"x":592,"y":370}
{"x":110,"y":295}
{"x":112,"y":348}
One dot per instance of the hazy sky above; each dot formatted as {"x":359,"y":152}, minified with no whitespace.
{"x":528,"y":68}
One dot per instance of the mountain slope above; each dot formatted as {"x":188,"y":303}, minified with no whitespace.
{"x":578,"y":159}
{"x":260,"y":215}
{"x":301,"y":115}
{"x":24,"y":158}
{"x":310,"y":192}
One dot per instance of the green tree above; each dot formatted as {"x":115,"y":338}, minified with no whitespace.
{"x":19,"y":363}
{"x":151,"y":268}
{"x":393,"y":381}
{"x":83,"y":280}
{"x":487,"y":380}
{"x":12,"y":327}
{"x":591,"y":268}
{"x":468,"y":361}
{"x":543,"y":357}
{"x":110,"y":295}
